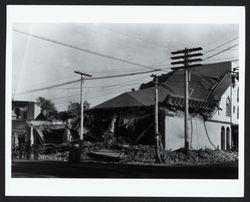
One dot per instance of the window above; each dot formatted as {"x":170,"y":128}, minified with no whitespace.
{"x":238,"y":95}
{"x":223,"y":138}
{"x":233,"y":109}
{"x":228,"y":107}
{"x":238,"y":112}
{"x":228,"y":139}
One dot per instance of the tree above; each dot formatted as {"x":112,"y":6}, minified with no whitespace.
{"x":74,"y":108}
{"x":47,"y":107}
{"x":63,"y":115}
{"x":86,"y":105}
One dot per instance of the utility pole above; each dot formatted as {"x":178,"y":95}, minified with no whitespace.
{"x":83,"y":75}
{"x":186,"y":55}
{"x":157,"y":135}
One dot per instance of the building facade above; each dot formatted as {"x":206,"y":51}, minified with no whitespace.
{"x":220,"y":131}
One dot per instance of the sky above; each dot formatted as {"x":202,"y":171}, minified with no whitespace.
{"x":38,"y":63}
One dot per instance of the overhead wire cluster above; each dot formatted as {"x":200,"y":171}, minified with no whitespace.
{"x":217,"y":52}
{"x":112,"y":89}
{"x":98,"y":91}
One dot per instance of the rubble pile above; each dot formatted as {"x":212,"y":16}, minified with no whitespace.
{"x":202,"y":156}
{"x":52,"y":148}
{"x":145,"y":154}
{"x":141,"y":154}
{"x":88,"y":147}
{"x":58,"y":156}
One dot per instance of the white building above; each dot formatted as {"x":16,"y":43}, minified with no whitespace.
{"x":219,"y":131}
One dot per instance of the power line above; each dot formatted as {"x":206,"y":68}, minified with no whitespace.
{"x":122,"y":75}
{"x":211,"y":50}
{"x":128,"y":82}
{"x":91,"y":96}
{"x":103,"y":77}
{"x":109,"y":90}
{"x":84,"y":50}
{"x":101,"y":89}
{"x":233,"y":49}
{"x":223,"y":60}
{"x":48,"y":87}
{"x":221,"y":51}
{"x":220,"y":45}
{"x":106,"y":77}
{"x":97,"y":87}
{"x":94,"y":78}
{"x":135,"y":37}
{"x":117,"y":70}
{"x":110,"y":87}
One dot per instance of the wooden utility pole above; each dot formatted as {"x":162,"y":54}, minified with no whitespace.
{"x":83,"y":75}
{"x":186,"y":61}
{"x":157,"y":135}
{"x":186,"y":97}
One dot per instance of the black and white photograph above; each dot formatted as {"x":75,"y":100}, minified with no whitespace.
{"x":129,"y":100}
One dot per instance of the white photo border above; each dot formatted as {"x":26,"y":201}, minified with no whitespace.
{"x":124,"y":187}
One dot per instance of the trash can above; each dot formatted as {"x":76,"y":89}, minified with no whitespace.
{"x":75,"y":152}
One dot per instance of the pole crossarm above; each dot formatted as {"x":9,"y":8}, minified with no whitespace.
{"x":186,"y":61}
{"x":188,"y":55}
{"x":186,"y":50}
{"x":187,"y":58}
{"x":83,"y":74}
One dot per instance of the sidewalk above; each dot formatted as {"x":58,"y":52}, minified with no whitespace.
{"x":61,"y":169}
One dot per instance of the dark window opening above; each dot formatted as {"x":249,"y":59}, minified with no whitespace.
{"x":222,"y":138}
{"x":238,"y":95}
{"x":228,"y":139}
{"x":228,"y":107}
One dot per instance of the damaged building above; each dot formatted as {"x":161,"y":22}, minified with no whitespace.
{"x":22,"y":112}
{"x":31,"y":126}
{"x":213,"y":108}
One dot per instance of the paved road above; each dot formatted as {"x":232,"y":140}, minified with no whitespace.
{"x":59,"y":169}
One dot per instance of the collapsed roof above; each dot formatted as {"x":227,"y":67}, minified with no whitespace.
{"x":46,"y":131}
{"x":208,"y":83}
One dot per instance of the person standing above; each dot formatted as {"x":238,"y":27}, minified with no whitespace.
{"x":35,"y":151}
{"x":27,"y":149}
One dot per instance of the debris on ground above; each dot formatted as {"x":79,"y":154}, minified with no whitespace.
{"x":107,"y":155}
{"x":52,"y":148}
{"x":57,"y":156}
{"x":203,"y":156}
{"x":144,"y":154}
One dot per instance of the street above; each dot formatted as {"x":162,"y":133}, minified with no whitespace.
{"x":60,"y":169}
